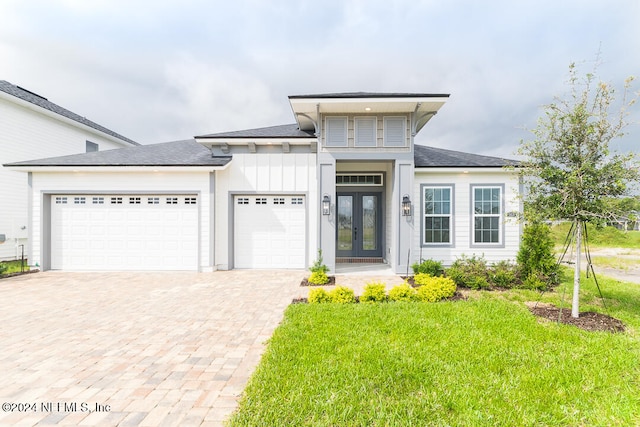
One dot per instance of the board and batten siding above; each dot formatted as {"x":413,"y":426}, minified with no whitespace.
{"x":462,"y":220}
{"x":264,"y":173}
{"x":142,"y":183}
{"x":27,"y":134}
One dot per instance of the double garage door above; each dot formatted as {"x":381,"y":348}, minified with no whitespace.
{"x":269,"y":231}
{"x":124,"y":232}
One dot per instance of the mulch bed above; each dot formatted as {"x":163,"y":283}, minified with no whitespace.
{"x":19,"y":273}
{"x":589,"y":321}
{"x":332,"y":282}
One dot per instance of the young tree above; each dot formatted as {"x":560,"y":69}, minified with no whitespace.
{"x":568,"y":170}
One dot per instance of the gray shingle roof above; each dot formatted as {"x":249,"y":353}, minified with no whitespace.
{"x":282,"y":131}
{"x":430,"y":157}
{"x":42,"y":102}
{"x":177,"y":153}
{"x":371,"y":95}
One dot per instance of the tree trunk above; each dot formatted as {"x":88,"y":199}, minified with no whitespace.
{"x":575,"y":306}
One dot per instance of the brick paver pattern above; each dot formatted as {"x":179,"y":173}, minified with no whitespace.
{"x":128,"y":349}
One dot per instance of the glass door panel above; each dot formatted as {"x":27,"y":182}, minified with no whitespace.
{"x":369,"y":223}
{"x":345,"y":224}
{"x":359,"y":227}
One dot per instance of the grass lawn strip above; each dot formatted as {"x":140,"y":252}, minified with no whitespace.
{"x":486,"y":361}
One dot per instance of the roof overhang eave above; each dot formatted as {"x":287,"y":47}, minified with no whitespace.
{"x":117,"y":168}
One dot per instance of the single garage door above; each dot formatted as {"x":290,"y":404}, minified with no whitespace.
{"x":269,"y":231}
{"x":124,"y":232}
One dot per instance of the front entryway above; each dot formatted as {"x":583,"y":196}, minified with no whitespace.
{"x":359,"y":228}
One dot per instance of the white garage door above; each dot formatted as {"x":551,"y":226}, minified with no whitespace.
{"x":269,"y":231}
{"x":124,"y":232}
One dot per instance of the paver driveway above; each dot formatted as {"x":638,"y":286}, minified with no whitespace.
{"x":147,"y":348}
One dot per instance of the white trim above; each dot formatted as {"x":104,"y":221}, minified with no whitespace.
{"x":79,"y":169}
{"x":450,"y":215}
{"x":499,"y":216}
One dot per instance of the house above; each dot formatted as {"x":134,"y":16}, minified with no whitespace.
{"x":346,"y":178}
{"x":33,"y":127}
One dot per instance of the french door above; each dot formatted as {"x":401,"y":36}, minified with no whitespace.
{"x":359,"y":228}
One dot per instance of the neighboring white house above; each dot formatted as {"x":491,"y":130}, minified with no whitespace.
{"x":345,"y":178}
{"x":32,"y":127}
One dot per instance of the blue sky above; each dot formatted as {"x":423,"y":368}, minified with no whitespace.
{"x":159,"y":70}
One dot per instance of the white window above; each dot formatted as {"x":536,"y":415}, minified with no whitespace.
{"x":134,"y":200}
{"x":189,"y":200}
{"x":365,"y":131}
{"x":61,"y":200}
{"x":243,"y":200}
{"x":296,"y":201}
{"x":487,"y":214}
{"x":172,"y":200}
{"x":98,"y":200}
{"x":116,"y":200}
{"x":153,"y":200}
{"x":79,"y":200}
{"x":438,"y":215}
{"x":395,"y":132}
{"x":261,"y":200}
{"x":278,"y":200}
{"x":336,"y":131}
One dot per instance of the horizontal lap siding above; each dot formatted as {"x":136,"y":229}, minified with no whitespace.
{"x":26,"y":134}
{"x":462,"y":220}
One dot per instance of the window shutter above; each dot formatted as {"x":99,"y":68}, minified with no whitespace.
{"x":394,"y":132}
{"x":365,"y":132}
{"x":336,"y":132}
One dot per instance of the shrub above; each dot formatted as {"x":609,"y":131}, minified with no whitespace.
{"x":318,"y":265}
{"x":536,"y":251}
{"x":435,"y":288}
{"x":342,"y":295}
{"x":470,"y":272}
{"x":3,"y":267}
{"x":374,"y":292}
{"x":402,"y":292}
{"x":318,"y":278}
{"x":318,"y":295}
{"x":535,"y":281}
{"x":422,"y":279}
{"x":504,"y":274}
{"x":428,"y":266}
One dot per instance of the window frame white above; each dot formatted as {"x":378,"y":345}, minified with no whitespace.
{"x":424,"y":215}
{"x":500,"y":216}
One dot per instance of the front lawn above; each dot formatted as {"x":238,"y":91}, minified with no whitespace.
{"x":484,"y":361}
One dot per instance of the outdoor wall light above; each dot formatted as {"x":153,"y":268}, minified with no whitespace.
{"x":406,"y":205}
{"x":326,"y":204}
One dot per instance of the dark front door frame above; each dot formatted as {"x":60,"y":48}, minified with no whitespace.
{"x":351,"y":227}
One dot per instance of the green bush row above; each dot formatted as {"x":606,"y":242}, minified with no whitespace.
{"x":431,"y":289}
{"x":536,"y":267}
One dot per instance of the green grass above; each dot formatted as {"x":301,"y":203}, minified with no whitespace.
{"x":485,"y":361}
{"x":14,"y":267}
{"x":615,"y":262}
{"x":609,"y":237}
